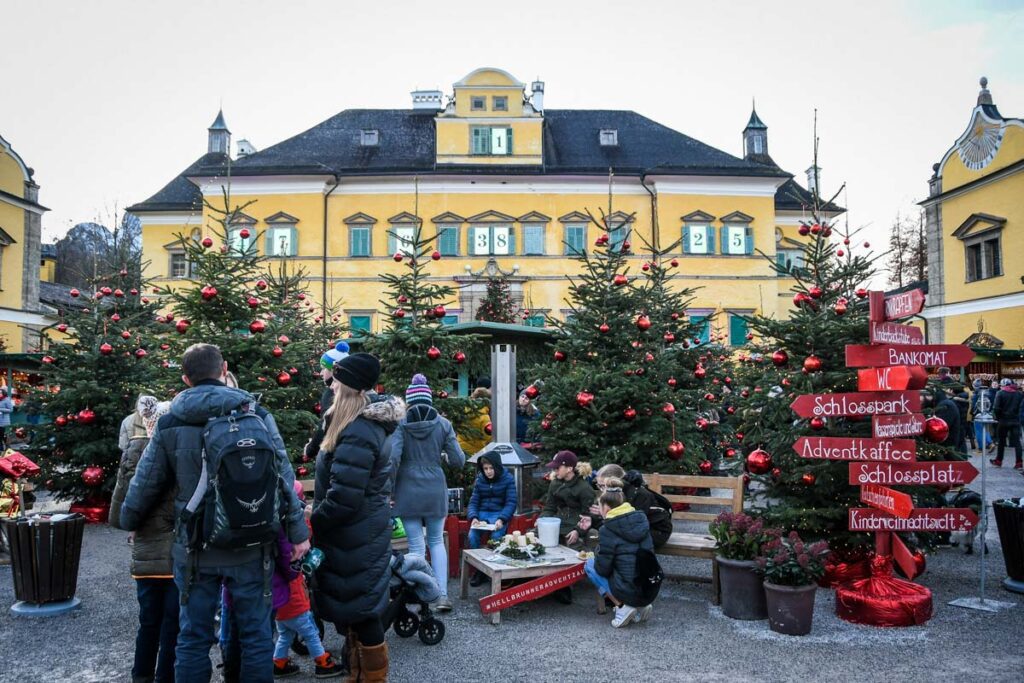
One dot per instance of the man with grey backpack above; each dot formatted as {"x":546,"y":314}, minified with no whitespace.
{"x":223,"y":456}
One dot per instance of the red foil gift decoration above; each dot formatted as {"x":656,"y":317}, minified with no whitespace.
{"x":94,"y":511}
{"x":15,"y":465}
{"x":882,"y":600}
{"x":845,"y":566}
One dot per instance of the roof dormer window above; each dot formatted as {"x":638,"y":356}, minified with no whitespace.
{"x":609,"y":137}
{"x":369,"y":137}
{"x":478,"y":103}
{"x":500,"y":103}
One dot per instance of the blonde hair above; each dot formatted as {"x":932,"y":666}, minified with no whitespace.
{"x":611,"y":470}
{"x":584,"y":468}
{"x":347,"y":405}
{"x":612,"y":496}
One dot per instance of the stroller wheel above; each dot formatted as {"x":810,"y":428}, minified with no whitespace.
{"x":406,"y":624}
{"x":432,"y":631}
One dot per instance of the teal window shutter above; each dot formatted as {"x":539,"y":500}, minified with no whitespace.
{"x":711,"y":238}
{"x":359,"y":238}
{"x":737,"y":331}
{"x":481,"y":141}
{"x":268,"y":242}
{"x":293,"y":241}
{"x":781,"y":260}
{"x":450,"y":320}
{"x":448,"y":241}
{"x":533,"y":239}
{"x":723,"y":240}
{"x":749,"y":240}
{"x":686,"y":239}
{"x":359,"y":324}
{"x":392,"y":242}
{"x":703,"y":326}
{"x":508,"y":141}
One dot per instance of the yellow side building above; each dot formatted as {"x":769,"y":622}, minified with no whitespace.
{"x":975,"y":229}
{"x":508,"y":187}
{"x":21,"y":315}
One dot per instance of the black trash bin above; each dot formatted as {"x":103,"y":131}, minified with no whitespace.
{"x":45,"y":554}
{"x":1010,"y":522}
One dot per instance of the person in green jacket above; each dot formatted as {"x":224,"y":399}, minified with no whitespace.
{"x":569,"y":497}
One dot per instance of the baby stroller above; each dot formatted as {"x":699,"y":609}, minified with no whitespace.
{"x":413,"y":585}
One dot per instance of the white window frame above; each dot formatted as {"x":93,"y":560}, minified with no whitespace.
{"x":404,"y":235}
{"x":238,"y":246}
{"x":502,"y":99}
{"x":184,"y":260}
{"x":475,"y":99}
{"x":693,"y":235}
{"x":492,"y":232}
{"x":274,"y":240}
{"x":369,"y":239}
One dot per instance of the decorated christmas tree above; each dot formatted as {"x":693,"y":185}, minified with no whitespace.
{"x":497,"y":305}
{"x":255,"y":309}
{"x":614,"y":389}
{"x":105,"y":355}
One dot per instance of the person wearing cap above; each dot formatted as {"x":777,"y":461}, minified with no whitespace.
{"x":327,"y":361}
{"x":569,"y":497}
{"x":352,"y":512}
{"x":422,"y":443}
{"x":1006,"y":408}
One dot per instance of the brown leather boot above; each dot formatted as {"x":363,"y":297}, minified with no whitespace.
{"x":354,"y":671}
{"x":375,"y":663}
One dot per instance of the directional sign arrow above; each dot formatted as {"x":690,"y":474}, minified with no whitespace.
{"x":892,"y":333}
{"x":887,"y":499}
{"x":897,"y":426}
{"x":895,"y":378}
{"x":912,"y":474}
{"x":904,"y":558}
{"x":929,"y":355}
{"x":920,"y":519}
{"x":844,"y":448}
{"x":904,"y":304}
{"x":857,"y":404}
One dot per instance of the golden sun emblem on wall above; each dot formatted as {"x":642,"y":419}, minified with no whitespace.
{"x":979,"y":146}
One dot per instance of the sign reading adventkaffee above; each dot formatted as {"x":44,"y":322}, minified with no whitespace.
{"x":847,"y":448}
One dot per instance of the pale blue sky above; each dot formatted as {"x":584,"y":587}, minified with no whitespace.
{"x":109,"y":100}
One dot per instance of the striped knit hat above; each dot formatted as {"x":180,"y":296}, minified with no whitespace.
{"x":332,"y":356}
{"x":418,"y":392}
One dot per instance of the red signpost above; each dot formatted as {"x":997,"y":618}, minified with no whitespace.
{"x":886,"y":499}
{"x":895,"y":378}
{"x":904,"y":558}
{"x":920,"y":519}
{"x":929,"y":355}
{"x":912,"y":474}
{"x":856,"y":404}
{"x":904,"y":304}
{"x":847,"y":448}
{"x":897,"y":426}
{"x":892,"y":333}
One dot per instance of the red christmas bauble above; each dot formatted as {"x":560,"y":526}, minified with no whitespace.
{"x":604,"y":329}
{"x":208,"y":292}
{"x":812,"y":364}
{"x":439,"y":311}
{"x":21,"y":432}
{"x":759,"y":462}
{"x":861,"y":293}
{"x":808,"y":479}
{"x":674,"y":316}
{"x":60,"y":421}
{"x":559,"y":356}
{"x":799,"y":299}
{"x":705,"y":467}
{"x":620,"y":280}
{"x":668,"y":409}
{"x":301,"y":471}
{"x":730,"y":452}
{"x":545,"y":425}
{"x":293,"y":371}
{"x":669,"y":338}
{"x":920,"y":562}
{"x":253,"y":302}
{"x":125,"y":334}
{"x":645,"y":267}
{"x":672,"y":382}
{"x":48,"y":360}
{"x":62,"y":327}
{"x":804,"y":230}
{"x":709,"y":397}
{"x":164,"y":347}
{"x":398,"y":256}
{"x":817,"y":422}
{"x":675,"y":450}
{"x":625,"y":246}
{"x":745,"y":393}
{"x":74,"y":293}
{"x":629,"y":413}
{"x":867,"y":245}
{"x":261,"y":284}
{"x":257,"y":326}
{"x":436,"y":256}
{"x":92,"y":476}
{"x":460,"y":357}
{"x":141,"y":353}
{"x":317,"y":408}
{"x":118,"y":293}
{"x":699,"y":372}
{"x":839,"y":308}
{"x":780,"y":358}
{"x":181,"y":326}
{"x":106,"y":349}
{"x":115,"y":318}
{"x":776,"y":473}
{"x":815,"y":292}
{"x":643,"y":323}
{"x":283,"y":340}
{"x":532,"y":392}
{"x":675,"y":263}
{"x":840,"y":253}
{"x":244,"y":233}
{"x":648,"y":357}
{"x":86,"y":416}
{"x":107,"y":291}
{"x":936,"y":430}
{"x":488,"y":428}
{"x":433,"y":353}
{"x":399,"y":312}
{"x":284,"y":378}
{"x":815,"y":229}
{"x":702,"y":424}
{"x":207,"y":242}
{"x":584,"y":399}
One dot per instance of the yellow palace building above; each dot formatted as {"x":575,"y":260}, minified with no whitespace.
{"x":975,"y":229}
{"x":506,"y":185}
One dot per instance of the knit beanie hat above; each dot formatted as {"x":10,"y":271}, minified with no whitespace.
{"x":152,"y":415}
{"x":359,"y":371}
{"x":418,"y":392}
{"x":333,"y":355}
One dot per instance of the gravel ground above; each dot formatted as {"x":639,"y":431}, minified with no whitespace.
{"x":686,"y":639}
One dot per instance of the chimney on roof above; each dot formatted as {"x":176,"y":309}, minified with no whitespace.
{"x":245,"y":148}
{"x":814,"y":178}
{"x":537,"y":88}
{"x":219,"y":136}
{"x":984,"y":97}
{"x":427,"y":101}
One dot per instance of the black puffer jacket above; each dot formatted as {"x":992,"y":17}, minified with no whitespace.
{"x":351,"y":516}
{"x":151,"y":551}
{"x":624,"y":532}
{"x":659,"y":512}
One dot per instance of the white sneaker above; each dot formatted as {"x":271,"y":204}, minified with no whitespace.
{"x":624,"y":614}
{"x":643,"y":614}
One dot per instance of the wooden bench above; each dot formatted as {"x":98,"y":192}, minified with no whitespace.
{"x":689,"y":544}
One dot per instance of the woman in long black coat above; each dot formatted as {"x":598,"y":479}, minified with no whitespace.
{"x":351,"y":513}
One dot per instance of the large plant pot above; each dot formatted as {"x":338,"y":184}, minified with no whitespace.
{"x":1010,"y":522}
{"x":790,"y":608}
{"x":742,"y":590}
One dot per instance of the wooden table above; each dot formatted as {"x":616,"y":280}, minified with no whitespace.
{"x":480,"y":559}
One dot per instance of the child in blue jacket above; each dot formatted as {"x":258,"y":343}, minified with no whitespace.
{"x":493,"y":500}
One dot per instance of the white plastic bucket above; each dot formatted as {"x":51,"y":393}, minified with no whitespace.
{"x":547,"y":531}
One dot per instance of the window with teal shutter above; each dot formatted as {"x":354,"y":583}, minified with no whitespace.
{"x":359,"y":324}
{"x":737,"y":331}
{"x":703,"y":326}
{"x":749,"y":238}
{"x":508,"y":138}
{"x":282,"y":240}
{"x":535,"y":320}
{"x":698,"y":239}
{"x":359,"y":241}
{"x":533,"y":240}
{"x":617,"y":236}
{"x":575,"y":238}
{"x":448,"y":240}
{"x":481,"y":140}
{"x":710,"y":230}
{"x":450,"y":320}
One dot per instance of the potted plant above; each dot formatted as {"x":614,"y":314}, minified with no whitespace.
{"x":791,"y":571}
{"x":739,"y":538}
